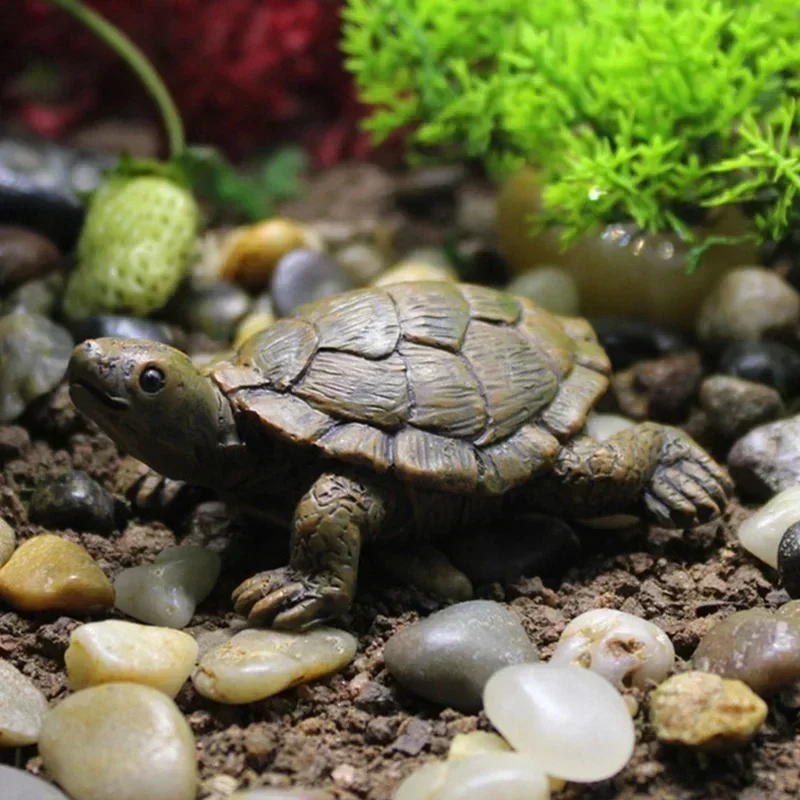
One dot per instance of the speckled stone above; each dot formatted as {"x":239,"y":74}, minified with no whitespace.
{"x":789,"y":560}
{"x":47,"y":573}
{"x":280,"y":794}
{"x":120,"y":741}
{"x":22,"y":708}
{"x":756,"y":646}
{"x":20,"y":785}
{"x":448,"y":657}
{"x":34,"y":297}
{"x":767,"y":460}
{"x":8,"y":541}
{"x":735,"y":406}
{"x":73,"y":500}
{"x":702,"y":710}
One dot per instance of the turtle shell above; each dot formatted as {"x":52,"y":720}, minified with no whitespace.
{"x":452,"y":387}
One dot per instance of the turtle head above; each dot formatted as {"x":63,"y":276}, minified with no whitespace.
{"x":154,"y":403}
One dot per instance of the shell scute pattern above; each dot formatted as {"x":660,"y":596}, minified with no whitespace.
{"x":455,"y":388}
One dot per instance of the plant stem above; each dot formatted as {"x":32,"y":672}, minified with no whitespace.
{"x":138,"y":62}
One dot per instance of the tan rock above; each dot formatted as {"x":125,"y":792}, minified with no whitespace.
{"x":48,"y":573}
{"x":22,"y":708}
{"x":8,"y":541}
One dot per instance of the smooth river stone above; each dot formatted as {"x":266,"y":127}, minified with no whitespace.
{"x":47,"y":573}
{"x":476,"y":743}
{"x":448,"y":657}
{"x":20,"y":785}
{"x":569,"y":721}
{"x":167,"y":591}
{"x":760,"y":534}
{"x":115,"y":651}
{"x":120,"y":741}
{"x":8,"y":541}
{"x":22,"y":709}
{"x":255,"y":664}
{"x":625,"y":649}
{"x":499,"y":776}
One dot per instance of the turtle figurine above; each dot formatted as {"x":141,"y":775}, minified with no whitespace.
{"x":408,"y":411}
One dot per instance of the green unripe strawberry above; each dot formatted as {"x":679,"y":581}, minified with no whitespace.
{"x":134,"y":248}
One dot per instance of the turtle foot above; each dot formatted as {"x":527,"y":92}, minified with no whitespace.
{"x":284,"y":599}
{"x":688,"y":487}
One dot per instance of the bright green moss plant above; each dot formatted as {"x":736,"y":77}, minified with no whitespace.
{"x":644,"y":110}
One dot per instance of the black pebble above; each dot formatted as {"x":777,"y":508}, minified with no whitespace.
{"x":789,"y":561}
{"x":771,"y":363}
{"x":630,"y":340}
{"x":73,"y":500}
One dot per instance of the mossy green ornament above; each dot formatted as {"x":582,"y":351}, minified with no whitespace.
{"x":134,"y":247}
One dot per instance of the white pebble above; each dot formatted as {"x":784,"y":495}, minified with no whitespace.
{"x":626,"y":650}
{"x":120,"y":741}
{"x":167,"y":591}
{"x":499,"y":776}
{"x":20,"y":785}
{"x":465,"y":745}
{"x":570,"y":722}
{"x":115,"y":651}
{"x":761,"y":533}
{"x":22,"y":708}
{"x":601,"y":426}
{"x":256,"y":664}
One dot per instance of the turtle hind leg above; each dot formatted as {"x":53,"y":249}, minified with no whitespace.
{"x":330,"y":523}
{"x":649,"y":465}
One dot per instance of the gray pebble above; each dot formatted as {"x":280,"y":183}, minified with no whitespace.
{"x":767,"y":460}
{"x":771,"y":363}
{"x":448,"y":657}
{"x":20,"y":785}
{"x":24,"y":256}
{"x":304,"y":276}
{"x":35,"y":297}
{"x":33,"y":358}
{"x":214,"y":308}
{"x":735,"y":406}
{"x":121,"y":327}
{"x":551,"y":288}
{"x":73,"y":500}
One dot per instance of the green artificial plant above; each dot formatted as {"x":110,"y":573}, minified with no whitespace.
{"x":632,"y":109}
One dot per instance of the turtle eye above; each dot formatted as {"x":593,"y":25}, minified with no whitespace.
{"x":151,"y":380}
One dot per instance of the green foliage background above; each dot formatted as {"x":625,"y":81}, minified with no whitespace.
{"x":638,"y":109}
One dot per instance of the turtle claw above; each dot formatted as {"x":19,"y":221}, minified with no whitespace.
{"x":283,"y":599}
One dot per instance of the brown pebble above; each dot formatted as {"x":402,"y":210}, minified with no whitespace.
{"x":702,"y":710}
{"x":671,"y":383}
{"x":47,"y":573}
{"x":735,"y":406}
{"x":24,"y":256}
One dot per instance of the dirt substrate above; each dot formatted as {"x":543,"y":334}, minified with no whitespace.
{"x":357,"y":734}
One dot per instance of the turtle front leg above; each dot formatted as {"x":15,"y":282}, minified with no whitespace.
{"x":679,"y":484}
{"x":330,"y":523}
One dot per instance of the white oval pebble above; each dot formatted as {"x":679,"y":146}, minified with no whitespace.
{"x":256,"y":664}
{"x":115,"y":651}
{"x":120,"y":741}
{"x":16,"y":784}
{"x":167,"y":591}
{"x":22,"y":708}
{"x":626,"y":650}
{"x":466,"y":745}
{"x":499,"y":776}
{"x":761,"y":533}
{"x":601,"y":426}
{"x":570,"y":722}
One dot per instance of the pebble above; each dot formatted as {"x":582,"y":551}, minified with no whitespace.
{"x":280,"y":794}
{"x":476,"y":210}
{"x":767,"y":460}
{"x":756,"y":646}
{"x":8,"y":541}
{"x":363,"y":262}
{"x":702,"y":710}
{"x":118,"y":326}
{"x":449,"y":656}
{"x":24,"y":256}
{"x":214,"y":308}
{"x":120,"y":741}
{"x":748,"y":304}
{"x":22,"y":708}
{"x":771,"y":363}
{"x":500,"y":776}
{"x":625,"y":649}
{"x":167,"y":591}
{"x":532,"y":544}
{"x":73,"y":500}
{"x":549,"y":287}
{"x":670,"y":384}
{"x":466,"y":745}
{"x":260,"y":317}
{"x":304,"y":276}
{"x":760,"y":534}
{"x":20,"y":785}
{"x":33,"y":358}
{"x":419,"y":190}
{"x":256,"y":664}
{"x":35,"y":297}
{"x":47,"y":573}
{"x":409,"y":271}
{"x":601,"y":426}
{"x":253,"y":252}
{"x":557,"y":715}
{"x":789,"y":560}
{"x":628,"y":341}
{"x":115,"y":651}
{"x":735,"y":406}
